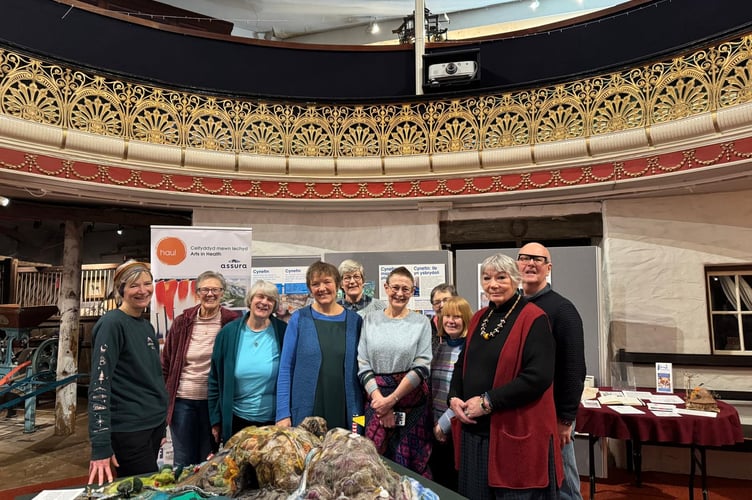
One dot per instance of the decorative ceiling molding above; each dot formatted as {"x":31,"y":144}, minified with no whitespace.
{"x":75,"y":179}
{"x":683,"y":121}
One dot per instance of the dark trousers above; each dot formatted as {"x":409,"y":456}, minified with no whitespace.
{"x":442,"y":464}
{"x":238,"y":424}
{"x":137,"y":452}
{"x":192,"y":440}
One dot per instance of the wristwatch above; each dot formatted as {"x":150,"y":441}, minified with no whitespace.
{"x":563,"y":421}
{"x":485,"y":403}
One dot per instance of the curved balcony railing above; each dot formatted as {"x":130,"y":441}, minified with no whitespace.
{"x":135,"y":134}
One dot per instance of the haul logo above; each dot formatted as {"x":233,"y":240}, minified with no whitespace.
{"x":234,"y":264}
{"x":171,"y":251}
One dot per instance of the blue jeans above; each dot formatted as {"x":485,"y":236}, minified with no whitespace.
{"x":570,"y":487}
{"x":192,"y":439}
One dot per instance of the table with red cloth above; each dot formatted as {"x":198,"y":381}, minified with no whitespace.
{"x":694,"y":431}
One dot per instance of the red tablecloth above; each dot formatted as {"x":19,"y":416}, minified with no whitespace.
{"x":724,"y":429}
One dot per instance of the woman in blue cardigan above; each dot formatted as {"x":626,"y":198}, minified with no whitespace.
{"x":318,"y":372}
{"x":245,"y":364}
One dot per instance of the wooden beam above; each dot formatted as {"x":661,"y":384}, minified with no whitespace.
{"x":517,"y":230}
{"x":127,"y":216}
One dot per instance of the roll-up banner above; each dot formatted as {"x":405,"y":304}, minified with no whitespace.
{"x":180,"y":253}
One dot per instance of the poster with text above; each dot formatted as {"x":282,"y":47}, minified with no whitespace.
{"x":291,"y":285}
{"x":180,"y":253}
{"x":427,"y":276}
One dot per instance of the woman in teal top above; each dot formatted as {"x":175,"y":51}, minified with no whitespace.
{"x":318,"y":372}
{"x":242,"y":394}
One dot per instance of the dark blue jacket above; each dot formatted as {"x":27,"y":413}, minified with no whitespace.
{"x":300,"y":364}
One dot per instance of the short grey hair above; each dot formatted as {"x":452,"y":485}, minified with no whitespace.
{"x":502,"y":264}
{"x":443,"y":287}
{"x":206,"y":275}
{"x":351,"y":266}
{"x":268,"y":290}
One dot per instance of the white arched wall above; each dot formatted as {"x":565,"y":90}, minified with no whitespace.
{"x":289,"y":233}
{"x":656,"y":250}
{"x":654,"y":255}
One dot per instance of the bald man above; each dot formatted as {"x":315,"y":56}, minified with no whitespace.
{"x":534,"y":262}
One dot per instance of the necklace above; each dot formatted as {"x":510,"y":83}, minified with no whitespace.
{"x":263,"y":327}
{"x":489,"y":335}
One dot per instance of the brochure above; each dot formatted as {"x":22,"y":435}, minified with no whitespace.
{"x":591,"y":403}
{"x":664,"y":383}
{"x":627,"y":410}
{"x":620,"y":400}
{"x":667,"y":399}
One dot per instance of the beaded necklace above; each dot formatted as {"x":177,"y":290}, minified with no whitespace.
{"x":489,"y":335}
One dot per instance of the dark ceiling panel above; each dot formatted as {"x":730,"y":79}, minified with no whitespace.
{"x":240,"y":67}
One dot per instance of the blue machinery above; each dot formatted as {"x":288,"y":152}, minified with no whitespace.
{"x":26,"y":371}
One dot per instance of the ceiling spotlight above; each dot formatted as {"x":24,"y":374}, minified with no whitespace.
{"x":4,"y":201}
{"x":534,"y":4}
{"x":373,"y":28}
{"x":433,"y":28}
{"x":119,"y":231}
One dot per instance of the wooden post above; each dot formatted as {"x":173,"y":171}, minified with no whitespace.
{"x":69,"y":303}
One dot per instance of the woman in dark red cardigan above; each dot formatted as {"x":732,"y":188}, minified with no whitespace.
{"x":186,"y":359}
{"x":502,"y":397}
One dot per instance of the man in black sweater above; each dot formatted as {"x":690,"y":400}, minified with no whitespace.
{"x":534,"y":262}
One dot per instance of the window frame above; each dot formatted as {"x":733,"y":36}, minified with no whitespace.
{"x":735,"y":271}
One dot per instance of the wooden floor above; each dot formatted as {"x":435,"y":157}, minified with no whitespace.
{"x":662,"y":486}
{"x":40,"y":460}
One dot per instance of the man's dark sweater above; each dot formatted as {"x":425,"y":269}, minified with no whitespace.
{"x":566,"y":325}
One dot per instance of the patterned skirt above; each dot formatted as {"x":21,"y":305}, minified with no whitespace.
{"x":408,"y":445}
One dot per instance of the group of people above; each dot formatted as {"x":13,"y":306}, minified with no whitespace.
{"x":484,"y":403}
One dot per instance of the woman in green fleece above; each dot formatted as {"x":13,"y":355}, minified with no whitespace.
{"x":127,"y":395}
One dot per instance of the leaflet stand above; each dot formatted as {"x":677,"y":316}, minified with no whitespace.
{"x":622,"y":376}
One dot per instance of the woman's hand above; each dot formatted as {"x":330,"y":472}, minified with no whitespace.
{"x":216,"y":432}
{"x":382,"y":405}
{"x":463,"y":410}
{"x":285,"y":422}
{"x":101,"y":470}
{"x":387,"y":421}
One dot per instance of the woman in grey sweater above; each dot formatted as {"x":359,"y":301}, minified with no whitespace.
{"x":394,"y":365}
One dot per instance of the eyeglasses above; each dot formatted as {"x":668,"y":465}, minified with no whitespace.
{"x":439,"y":301}
{"x":538,"y":259}
{"x":406,"y":290}
{"x":356,"y":278}
{"x":207,"y":291}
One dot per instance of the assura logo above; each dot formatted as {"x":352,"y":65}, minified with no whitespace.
{"x":234,"y":264}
